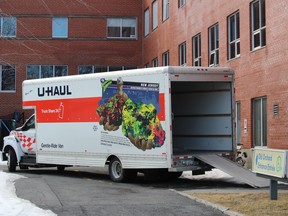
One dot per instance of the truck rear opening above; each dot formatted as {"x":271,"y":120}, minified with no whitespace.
{"x":202,"y":117}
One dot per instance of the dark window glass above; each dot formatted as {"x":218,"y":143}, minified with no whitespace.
{"x":8,"y":78}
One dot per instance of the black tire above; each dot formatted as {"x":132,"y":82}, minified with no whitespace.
{"x":118,"y":174}
{"x":12,"y":160}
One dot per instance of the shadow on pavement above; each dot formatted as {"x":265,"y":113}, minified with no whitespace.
{"x":179,"y":184}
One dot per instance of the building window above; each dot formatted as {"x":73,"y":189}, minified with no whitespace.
{"x":260,"y":121}
{"x":214,"y":45}
{"x":115,"y":68}
{"x":99,"y":69}
{"x":155,"y":62}
{"x":165,"y":58}
{"x":165,"y":8}
{"x":60,"y":27}
{"x":8,"y":78}
{"x":233,"y":36}
{"x":155,"y":14}
{"x":238,"y":123}
{"x":46,"y":71}
{"x":121,"y":27}
{"x":146,"y":22}
{"x":7,"y":27}
{"x":146,"y":65}
{"x":196,"y":50}
{"x":258,"y":24}
{"x":130,"y":67}
{"x":181,"y":3}
{"x":88,"y":69}
{"x":182,"y":54}
{"x":85,"y":69}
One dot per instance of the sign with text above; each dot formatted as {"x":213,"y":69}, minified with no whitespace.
{"x":271,"y":162}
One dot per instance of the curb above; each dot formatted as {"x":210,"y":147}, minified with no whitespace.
{"x":223,"y":209}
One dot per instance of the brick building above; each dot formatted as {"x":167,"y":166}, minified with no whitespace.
{"x":54,"y":38}
{"x":247,"y":35}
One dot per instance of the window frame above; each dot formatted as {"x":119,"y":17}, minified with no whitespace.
{"x":182,"y":54}
{"x":146,"y":22}
{"x":196,"y":39}
{"x":2,"y":26}
{"x":259,"y":125}
{"x":56,"y":26}
{"x":154,"y":14}
{"x":213,"y":51}
{"x":233,"y":40}
{"x":181,"y":3}
{"x":238,"y":122}
{"x":1,"y":79}
{"x":165,"y":58}
{"x":154,"y":62}
{"x":165,"y":10}
{"x":122,"y":26}
{"x":261,"y":30}
{"x":40,"y":70}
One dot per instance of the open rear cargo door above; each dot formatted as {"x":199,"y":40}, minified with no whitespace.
{"x":202,"y":116}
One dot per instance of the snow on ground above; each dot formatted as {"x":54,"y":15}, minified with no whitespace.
{"x":215,"y":174}
{"x":11,"y":205}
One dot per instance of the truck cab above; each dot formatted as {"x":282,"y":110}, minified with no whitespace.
{"x":21,"y":142}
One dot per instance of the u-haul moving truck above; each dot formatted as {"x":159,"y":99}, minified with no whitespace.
{"x":144,"y":120}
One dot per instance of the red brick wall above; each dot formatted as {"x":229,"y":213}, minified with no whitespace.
{"x":87,"y":27}
{"x":34,"y":27}
{"x":72,"y":7}
{"x":257,"y":73}
{"x":87,"y":42}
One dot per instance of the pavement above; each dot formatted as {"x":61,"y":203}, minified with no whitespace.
{"x":185,"y":187}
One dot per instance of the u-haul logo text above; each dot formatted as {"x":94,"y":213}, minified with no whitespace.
{"x":54,"y":91}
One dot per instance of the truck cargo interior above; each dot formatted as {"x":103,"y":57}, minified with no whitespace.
{"x":202,"y":118}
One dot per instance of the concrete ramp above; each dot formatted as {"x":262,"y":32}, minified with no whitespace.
{"x":233,"y":169}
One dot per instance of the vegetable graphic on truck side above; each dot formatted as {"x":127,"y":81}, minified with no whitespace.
{"x":140,"y":123}
{"x":149,"y":120}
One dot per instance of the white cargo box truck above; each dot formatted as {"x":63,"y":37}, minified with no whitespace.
{"x":150,"y":120}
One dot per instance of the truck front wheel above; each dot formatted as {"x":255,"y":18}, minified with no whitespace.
{"x":12,"y":161}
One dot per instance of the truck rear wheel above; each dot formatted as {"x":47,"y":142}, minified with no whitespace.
{"x":12,"y":160}
{"x":118,"y":174}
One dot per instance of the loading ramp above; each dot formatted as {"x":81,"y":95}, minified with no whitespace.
{"x":233,"y":169}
